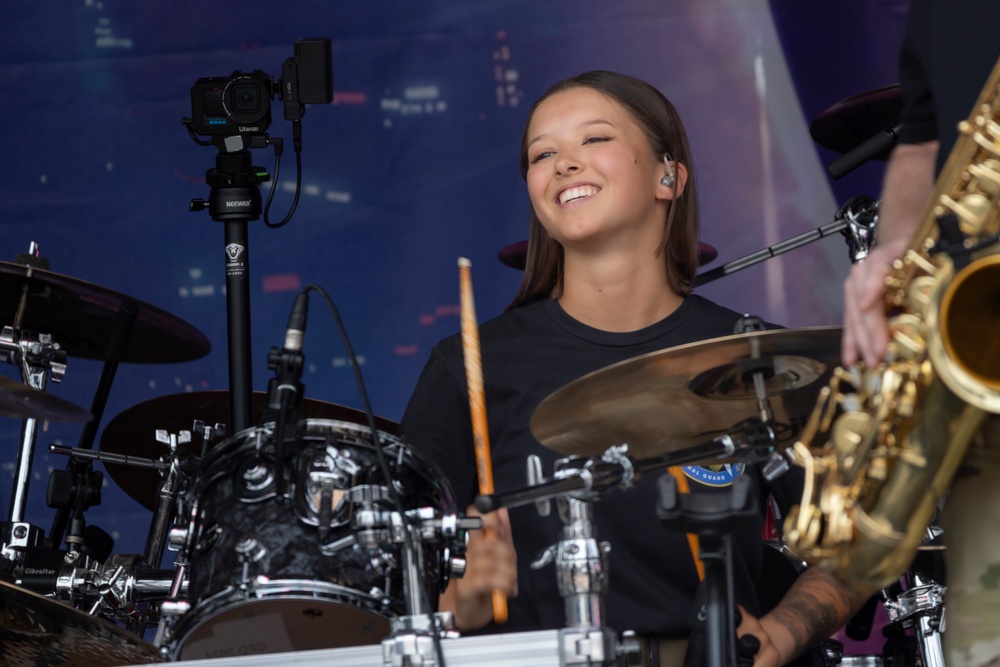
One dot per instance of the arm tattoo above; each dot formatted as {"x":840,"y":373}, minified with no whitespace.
{"x":815,"y":607}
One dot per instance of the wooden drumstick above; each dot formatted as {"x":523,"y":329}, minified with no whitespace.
{"x":477,"y":404}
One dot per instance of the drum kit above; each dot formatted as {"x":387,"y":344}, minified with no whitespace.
{"x":320,"y":530}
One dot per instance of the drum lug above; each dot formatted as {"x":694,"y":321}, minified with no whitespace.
{"x":177,"y":538}
{"x":250,"y":549}
{"x":456,"y":567}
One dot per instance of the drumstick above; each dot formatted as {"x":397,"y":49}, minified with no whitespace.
{"x":477,"y":404}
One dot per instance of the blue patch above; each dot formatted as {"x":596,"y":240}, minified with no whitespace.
{"x":722,"y":475}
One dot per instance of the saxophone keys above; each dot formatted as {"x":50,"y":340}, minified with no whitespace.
{"x":909,"y":333}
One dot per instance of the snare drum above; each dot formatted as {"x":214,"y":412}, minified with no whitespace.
{"x":274,"y":572}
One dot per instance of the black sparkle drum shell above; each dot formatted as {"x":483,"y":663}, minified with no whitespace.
{"x":269,"y":574}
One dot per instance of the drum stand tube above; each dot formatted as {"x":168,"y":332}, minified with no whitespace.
{"x":17,"y":536}
{"x":582,"y":573}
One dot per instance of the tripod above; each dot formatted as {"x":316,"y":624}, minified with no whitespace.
{"x":235,"y":200}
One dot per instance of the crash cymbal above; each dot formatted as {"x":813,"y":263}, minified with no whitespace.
{"x":516,"y":254}
{"x":81,"y":316}
{"x":683,"y":396}
{"x":853,"y":120}
{"x":21,"y":401}
{"x":132,"y":432}
{"x":35,"y":630}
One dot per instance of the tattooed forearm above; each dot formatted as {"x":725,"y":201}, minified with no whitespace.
{"x":815,"y":607}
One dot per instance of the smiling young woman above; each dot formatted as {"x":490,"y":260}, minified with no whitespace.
{"x":612,"y":252}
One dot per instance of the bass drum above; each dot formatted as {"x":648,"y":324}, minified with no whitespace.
{"x":273,"y":572}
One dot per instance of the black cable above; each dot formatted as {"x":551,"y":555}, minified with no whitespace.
{"x":297,"y":145}
{"x":383,"y":464}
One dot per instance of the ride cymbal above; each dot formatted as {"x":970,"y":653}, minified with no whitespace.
{"x":23,"y":402}
{"x":35,"y":630}
{"x":80,"y":316}
{"x":133,"y":432}
{"x":673,"y":399}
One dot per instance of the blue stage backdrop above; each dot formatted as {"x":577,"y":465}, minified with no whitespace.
{"x":413,"y":165}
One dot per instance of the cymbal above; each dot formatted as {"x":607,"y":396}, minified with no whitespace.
{"x":132,"y":432}
{"x":516,"y":254}
{"x":853,"y":120}
{"x":672,"y":399}
{"x":21,"y":401}
{"x":81,"y":316}
{"x":35,"y":630}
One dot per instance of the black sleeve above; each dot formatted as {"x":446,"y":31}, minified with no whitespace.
{"x":919,"y":114}
{"x":437,"y":424}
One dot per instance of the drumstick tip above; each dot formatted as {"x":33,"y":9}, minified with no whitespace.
{"x":464,"y":261}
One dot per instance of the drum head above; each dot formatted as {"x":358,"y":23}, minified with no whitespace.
{"x":277,"y":625}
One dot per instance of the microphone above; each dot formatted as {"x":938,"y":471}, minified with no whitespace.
{"x":869,"y":149}
{"x":284,"y":391}
{"x":287,"y":362}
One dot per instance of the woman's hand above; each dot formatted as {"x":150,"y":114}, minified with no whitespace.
{"x":491,"y":564}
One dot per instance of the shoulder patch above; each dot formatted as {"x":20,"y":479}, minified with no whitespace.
{"x":721,"y":475}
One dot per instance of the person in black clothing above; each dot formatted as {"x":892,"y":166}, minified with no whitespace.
{"x":612,"y":253}
{"x":947,"y":54}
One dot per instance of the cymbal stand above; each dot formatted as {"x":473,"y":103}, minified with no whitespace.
{"x":579,"y":557}
{"x":921,"y":607}
{"x":38,"y":357}
{"x":79,"y":468}
{"x":714,"y":517}
{"x":582,"y":573}
{"x":415,"y":635}
{"x":166,"y":500}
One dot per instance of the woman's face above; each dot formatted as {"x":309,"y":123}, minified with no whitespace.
{"x":592,"y":177}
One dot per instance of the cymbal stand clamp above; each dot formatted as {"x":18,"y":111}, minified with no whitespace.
{"x":415,"y":636}
{"x":581,"y":564}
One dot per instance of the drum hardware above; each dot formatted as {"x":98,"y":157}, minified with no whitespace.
{"x":415,"y":637}
{"x":856,"y":220}
{"x":128,"y":442}
{"x":310,"y":582}
{"x":920,"y":607}
{"x":714,"y":517}
{"x":580,"y":560}
{"x":38,"y":357}
{"x":172,"y":484}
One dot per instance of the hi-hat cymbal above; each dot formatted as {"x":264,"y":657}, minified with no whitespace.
{"x":36,"y":630}
{"x":21,"y":401}
{"x":81,"y":316}
{"x":669,"y":400}
{"x":132,"y":432}
{"x":516,"y":254}
{"x":853,"y":120}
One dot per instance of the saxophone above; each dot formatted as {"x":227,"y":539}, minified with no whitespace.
{"x":882,"y":444}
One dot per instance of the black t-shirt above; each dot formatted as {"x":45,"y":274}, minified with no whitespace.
{"x":948,"y":51}
{"x":528,"y":353}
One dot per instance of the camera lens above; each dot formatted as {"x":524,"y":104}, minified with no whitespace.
{"x":247,"y":98}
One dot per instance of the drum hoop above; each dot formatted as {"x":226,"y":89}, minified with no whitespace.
{"x":273,"y":590}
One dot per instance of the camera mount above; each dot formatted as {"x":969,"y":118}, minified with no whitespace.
{"x":234,"y":113}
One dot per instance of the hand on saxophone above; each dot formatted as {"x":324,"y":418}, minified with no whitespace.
{"x":491,"y":564}
{"x":866,"y":331}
